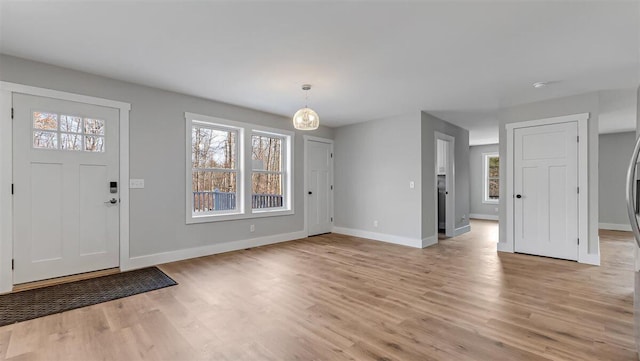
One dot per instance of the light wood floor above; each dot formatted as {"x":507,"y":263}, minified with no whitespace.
{"x":335,"y":297}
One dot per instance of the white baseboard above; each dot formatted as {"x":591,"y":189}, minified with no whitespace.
{"x":488,"y":217}
{"x":615,"y":226}
{"x":179,"y":255}
{"x":461,"y":230}
{"x":505,"y":247}
{"x":429,"y":241}
{"x":389,"y":238}
{"x":589,"y":258}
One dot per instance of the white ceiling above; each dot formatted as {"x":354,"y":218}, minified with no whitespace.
{"x":618,"y":110}
{"x":366,"y":60}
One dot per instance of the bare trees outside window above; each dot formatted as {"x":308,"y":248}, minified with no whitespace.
{"x":68,"y":132}
{"x":492,"y":178}
{"x":266,"y":179}
{"x":214,"y":164}
{"x":236,"y":170}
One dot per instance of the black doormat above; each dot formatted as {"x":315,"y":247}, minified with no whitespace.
{"x":26,"y":305}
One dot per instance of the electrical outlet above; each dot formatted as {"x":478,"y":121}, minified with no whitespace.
{"x":375,"y":224}
{"x":412,"y":184}
{"x":252,"y":228}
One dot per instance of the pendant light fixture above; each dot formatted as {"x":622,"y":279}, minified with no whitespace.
{"x":306,"y":118}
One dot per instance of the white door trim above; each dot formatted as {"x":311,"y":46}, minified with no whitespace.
{"x":450,"y":217}
{"x":6,"y":176}
{"x":583,"y":182}
{"x":308,"y":138}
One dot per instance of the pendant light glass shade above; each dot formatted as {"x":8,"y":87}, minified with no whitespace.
{"x":306,"y":119}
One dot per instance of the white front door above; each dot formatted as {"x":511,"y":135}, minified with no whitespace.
{"x":546,"y":190}
{"x":319,"y":176}
{"x":66,"y":195}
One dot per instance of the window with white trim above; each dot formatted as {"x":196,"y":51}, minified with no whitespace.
{"x":228,"y":180}
{"x":491,"y":178}
{"x":214,"y":169}
{"x":67,"y":132}
{"x":267,"y":174}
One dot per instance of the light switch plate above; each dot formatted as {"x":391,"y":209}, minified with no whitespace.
{"x":136,"y":183}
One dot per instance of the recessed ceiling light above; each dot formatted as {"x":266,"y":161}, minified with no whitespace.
{"x":540,"y":84}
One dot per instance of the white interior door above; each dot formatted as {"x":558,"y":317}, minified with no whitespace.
{"x":546,"y":190}
{"x":65,"y":213}
{"x":320,"y":187}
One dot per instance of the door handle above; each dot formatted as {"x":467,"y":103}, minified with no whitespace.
{"x":518,"y":196}
{"x":111,"y":201}
{"x":310,"y":192}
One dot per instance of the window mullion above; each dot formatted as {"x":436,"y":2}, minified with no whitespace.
{"x":235,"y":170}
{"x":206,"y":152}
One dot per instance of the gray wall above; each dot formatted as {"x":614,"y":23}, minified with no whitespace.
{"x":615,"y":151}
{"x":476,"y":190}
{"x":584,"y":103}
{"x":431,"y":124}
{"x":157,"y":146}
{"x":374,"y":163}
{"x":376,"y":160}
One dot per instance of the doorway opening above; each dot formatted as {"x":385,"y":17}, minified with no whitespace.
{"x":444,"y":185}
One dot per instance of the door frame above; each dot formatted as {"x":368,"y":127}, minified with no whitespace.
{"x":7,"y":89}
{"x":450,"y":204}
{"x":307,"y":139}
{"x":583,"y":182}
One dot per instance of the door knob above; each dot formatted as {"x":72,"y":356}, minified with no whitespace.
{"x":310,"y":192}
{"x":518,"y":196}
{"x":111,"y":201}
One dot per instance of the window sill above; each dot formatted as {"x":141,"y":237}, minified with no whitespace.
{"x":237,"y":216}
{"x":491,"y":202}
